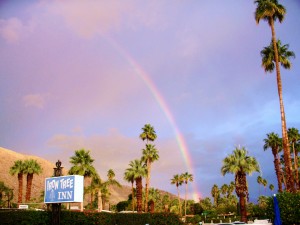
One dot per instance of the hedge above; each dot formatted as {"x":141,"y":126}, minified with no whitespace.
{"x":28,"y":217}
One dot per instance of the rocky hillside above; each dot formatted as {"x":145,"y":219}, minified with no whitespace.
{"x":7,"y":159}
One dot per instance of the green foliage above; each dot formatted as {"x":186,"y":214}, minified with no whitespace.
{"x":289,"y":205}
{"x":121,"y":206}
{"x":26,"y":217}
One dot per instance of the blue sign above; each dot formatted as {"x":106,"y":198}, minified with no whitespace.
{"x":64,"y":189}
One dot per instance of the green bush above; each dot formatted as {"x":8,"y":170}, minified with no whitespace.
{"x":289,"y":205}
{"x":25,"y":217}
{"x":28,"y":217}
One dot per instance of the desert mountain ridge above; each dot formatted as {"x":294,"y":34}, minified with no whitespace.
{"x":7,"y":159}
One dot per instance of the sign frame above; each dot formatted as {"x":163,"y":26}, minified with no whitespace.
{"x":64,"y":189}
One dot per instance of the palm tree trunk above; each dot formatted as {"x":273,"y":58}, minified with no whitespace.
{"x":243,"y":208}
{"x":296,"y":168}
{"x":132,"y":193}
{"x":286,"y":148}
{"x":185,"y":199}
{"x":278,"y":172}
{"x":147,"y":185}
{"x":20,"y":191}
{"x":99,"y":200}
{"x":28,"y":187}
{"x":139,"y":194}
{"x":179,"y":205}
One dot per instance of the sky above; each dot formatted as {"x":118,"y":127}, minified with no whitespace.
{"x":90,"y":74}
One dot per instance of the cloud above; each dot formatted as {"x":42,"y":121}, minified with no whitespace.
{"x":34,"y":100}
{"x":88,"y":18}
{"x":13,"y":29}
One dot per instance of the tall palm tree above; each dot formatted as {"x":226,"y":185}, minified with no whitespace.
{"x":259,"y":181}
{"x":271,"y":187}
{"x":264,"y":183}
{"x":270,"y":11}
{"x":18,"y":168}
{"x":186,"y":177}
{"x":177,"y":180}
{"x":240,"y":164}
{"x":215,"y":193}
{"x":274,"y":142}
{"x":82,"y":165}
{"x":31,"y":167}
{"x":129,"y":177}
{"x":138,"y":170}
{"x":111,"y":181}
{"x":150,"y":154}
{"x":148,"y":133}
{"x":294,"y":137}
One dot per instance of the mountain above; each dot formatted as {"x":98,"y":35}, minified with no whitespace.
{"x":7,"y":159}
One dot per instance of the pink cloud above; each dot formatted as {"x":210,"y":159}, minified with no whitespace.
{"x":34,"y":100}
{"x":13,"y":29}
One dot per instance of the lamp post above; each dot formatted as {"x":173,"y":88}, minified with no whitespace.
{"x":56,"y":207}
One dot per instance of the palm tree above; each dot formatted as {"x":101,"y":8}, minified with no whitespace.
{"x":264,"y":183}
{"x":240,"y":164}
{"x":82,"y":165}
{"x":271,"y":187}
{"x":215,"y":193}
{"x":259,"y":181}
{"x":294,"y":137}
{"x":177,"y":180}
{"x":31,"y":167}
{"x":148,"y":133}
{"x":274,"y":142}
{"x":224,"y":189}
{"x":186,"y":177}
{"x":111,"y":180}
{"x":231,"y":188}
{"x":150,"y":154}
{"x":270,"y":11}
{"x":138,"y":170}
{"x":18,"y":168}
{"x":129,"y":177}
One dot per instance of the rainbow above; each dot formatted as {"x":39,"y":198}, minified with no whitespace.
{"x":163,"y":105}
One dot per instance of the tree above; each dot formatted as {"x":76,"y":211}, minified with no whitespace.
{"x":31,"y":167}
{"x":18,"y":168}
{"x":138,"y":170}
{"x":270,"y":11}
{"x":186,"y":177}
{"x":215,"y":193}
{"x":264,"y":183}
{"x":274,"y":142}
{"x":224,"y":189}
{"x":271,"y":187}
{"x":294,"y":137}
{"x":148,"y":133}
{"x":129,"y":177}
{"x":240,"y":164}
{"x":111,"y":180}
{"x":150,"y":154}
{"x":177,"y":180}
{"x":259,"y":181}
{"x":82,"y":165}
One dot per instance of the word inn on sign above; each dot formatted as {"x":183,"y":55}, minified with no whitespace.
{"x":64,"y":189}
